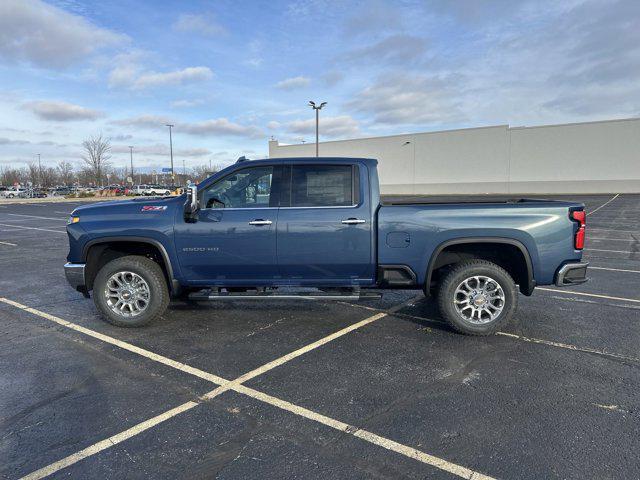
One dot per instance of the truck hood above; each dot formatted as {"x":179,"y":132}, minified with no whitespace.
{"x":134,"y":205}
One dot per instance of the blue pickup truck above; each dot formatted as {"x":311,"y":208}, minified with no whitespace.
{"x":316,"y":228}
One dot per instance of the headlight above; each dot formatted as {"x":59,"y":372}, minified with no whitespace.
{"x":73,"y":219}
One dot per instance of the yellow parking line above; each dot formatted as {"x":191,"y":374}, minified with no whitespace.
{"x":236,"y":386}
{"x":108,"y":442}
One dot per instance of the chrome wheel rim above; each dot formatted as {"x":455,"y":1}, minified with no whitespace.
{"x":127,"y":294}
{"x":479,"y":299}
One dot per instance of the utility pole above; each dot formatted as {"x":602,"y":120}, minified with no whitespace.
{"x":317,"y":108}
{"x":209,"y":165}
{"x":131,"y":155}
{"x":39,"y":171}
{"x":173,"y":181}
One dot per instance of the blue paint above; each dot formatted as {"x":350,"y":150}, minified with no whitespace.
{"x":311,"y":245}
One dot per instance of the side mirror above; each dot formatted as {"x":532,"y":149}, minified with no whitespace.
{"x":191,"y":207}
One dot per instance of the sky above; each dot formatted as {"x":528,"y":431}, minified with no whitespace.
{"x":232,"y":74}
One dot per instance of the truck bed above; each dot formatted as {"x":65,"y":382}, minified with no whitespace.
{"x":457,"y":198}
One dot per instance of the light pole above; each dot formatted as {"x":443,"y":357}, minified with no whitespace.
{"x":131,"y":156}
{"x":317,"y":108}
{"x":173,"y":182}
{"x":39,"y":171}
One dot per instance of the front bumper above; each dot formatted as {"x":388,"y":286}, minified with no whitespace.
{"x":75,"y":276}
{"x":572,"y":274}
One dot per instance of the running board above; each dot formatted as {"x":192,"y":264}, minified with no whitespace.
{"x":216,"y":294}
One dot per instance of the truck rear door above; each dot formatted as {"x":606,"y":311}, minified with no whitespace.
{"x":324,"y":226}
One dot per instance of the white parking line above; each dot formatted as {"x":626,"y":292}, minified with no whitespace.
{"x":10,"y":244}
{"x":604,"y":204}
{"x":33,"y":228}
{"x":613,"y":239}
{"x":594,"y":295}
{"x":236,"y":386}
{"x":35,"y":216}
{"x":610,"y":251}
{"x":614,"y":269}
{"x":591,"y":228}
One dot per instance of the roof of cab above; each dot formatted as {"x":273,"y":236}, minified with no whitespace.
{"x":369,"y":161}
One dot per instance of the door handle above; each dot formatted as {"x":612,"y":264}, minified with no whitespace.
{"x":259,"y":221}
{"x":353,"y":221}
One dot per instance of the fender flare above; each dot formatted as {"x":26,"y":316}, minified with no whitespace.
{"x":525,"y":289}
{"x":125,"y":238}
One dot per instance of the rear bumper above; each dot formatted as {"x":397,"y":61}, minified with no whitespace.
{"x":75,"y":276}
{"x":572,"y":274}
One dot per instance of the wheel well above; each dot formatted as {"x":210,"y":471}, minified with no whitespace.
{"x":509,"y":256}
{"x":99,"y":255}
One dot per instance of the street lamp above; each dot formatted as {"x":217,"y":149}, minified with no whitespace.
{"x":317,"y":108}
{"x":39,"y":171}
{"x":131,"y":155}
{"x":173,"y":181}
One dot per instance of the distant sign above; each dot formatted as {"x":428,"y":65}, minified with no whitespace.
{"x":129,"y":180}
{"x":166,"y":170}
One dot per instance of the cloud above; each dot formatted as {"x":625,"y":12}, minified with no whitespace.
{"x":61,"y":111}
{"x":204,"y":24}
{"x":293,"y":83}
{"x":161,"y":150}
{"x":144,"y":121}
{"x":186,"y":103}
{"x":410,"y":99}
{"x":332,"y":78}
{"x":206,"y":128}
{"x":130,"y":74}
{"x":395,"y":49}
{"x":374,"y":16}
{"x":339,"y":126}
{"x":219,"y":126}
{"x":45,"y":36}
{"x":9,"y":141}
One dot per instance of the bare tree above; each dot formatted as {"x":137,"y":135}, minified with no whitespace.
{"x":34,"y":173}
{"x":65,"y":172}
{"x":96,"y":155}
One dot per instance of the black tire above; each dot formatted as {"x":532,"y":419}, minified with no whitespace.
{"x":447,"y":296}
{"x":150,"y":272}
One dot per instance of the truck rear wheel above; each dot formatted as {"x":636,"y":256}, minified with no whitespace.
{"x":130,"y":291}
{"x":477,"y":297}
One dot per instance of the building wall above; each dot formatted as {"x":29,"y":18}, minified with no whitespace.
{"x":596,"y":157}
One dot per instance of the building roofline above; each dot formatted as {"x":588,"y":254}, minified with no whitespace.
{"x":508,"y":127}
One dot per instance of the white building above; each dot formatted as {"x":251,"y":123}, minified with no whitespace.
{"x":594,"y":157}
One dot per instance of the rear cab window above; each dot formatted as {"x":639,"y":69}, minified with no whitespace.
{"x":324,"y":186}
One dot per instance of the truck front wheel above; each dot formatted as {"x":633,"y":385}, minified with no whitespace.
{"x":477,"y":297}
{"x":130,"y":291}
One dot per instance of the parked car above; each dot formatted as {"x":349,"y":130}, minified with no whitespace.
{"x":319,"y":222}
{"x":13,"y":192}
{"x":36,"y":193}
{"x":157,"y":190}
{"x":138,"y":189}
{"x":62,"y":191}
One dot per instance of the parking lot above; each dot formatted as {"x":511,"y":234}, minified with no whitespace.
{"x":314,"y":389}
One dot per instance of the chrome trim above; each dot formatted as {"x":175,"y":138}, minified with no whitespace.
{"x":326,"y":206}
{"x":75,"y":274}
{"x":260,"y":222}
{"x":565,"y":269}
{"x":353,"y":221}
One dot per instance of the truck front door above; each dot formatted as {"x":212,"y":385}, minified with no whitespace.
{"x":234,"y":240}
{"x":324,"y":227}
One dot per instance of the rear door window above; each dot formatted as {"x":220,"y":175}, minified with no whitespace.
{"x":322,"y":186}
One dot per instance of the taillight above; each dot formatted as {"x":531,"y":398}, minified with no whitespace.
{"x":580,"y":217}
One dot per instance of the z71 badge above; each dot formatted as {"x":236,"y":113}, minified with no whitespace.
{"x":154,"y":208}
